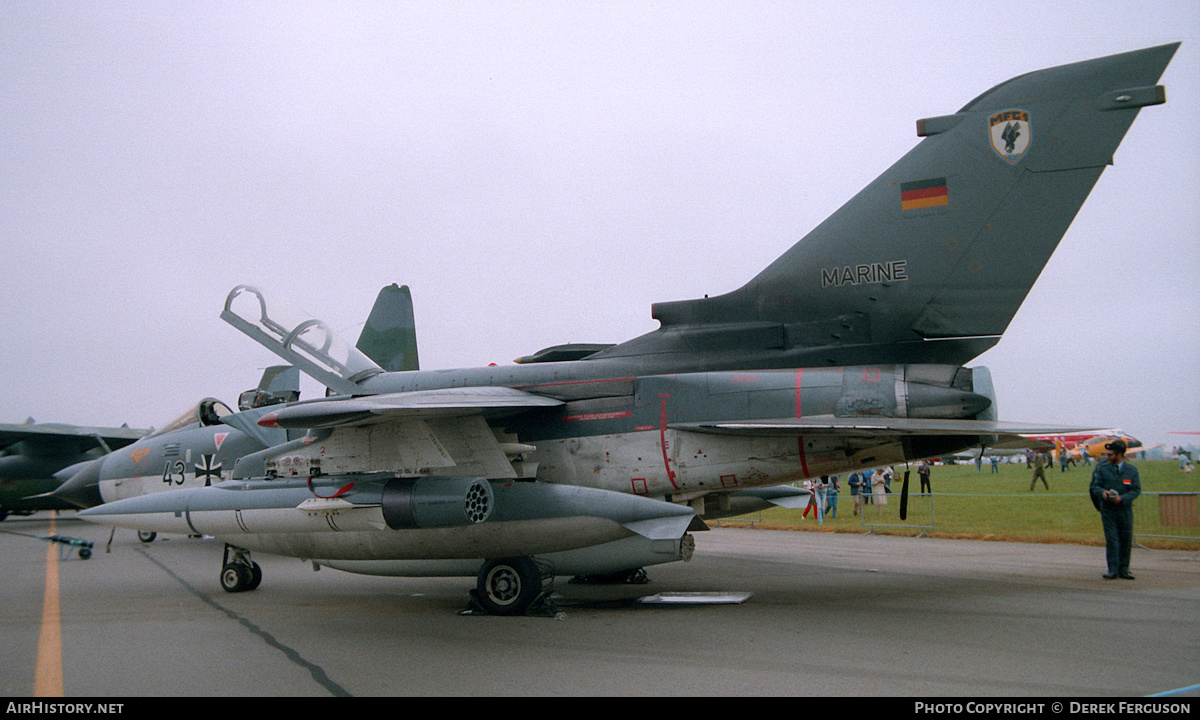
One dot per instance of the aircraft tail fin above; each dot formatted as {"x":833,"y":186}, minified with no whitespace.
{"x":389,"y":336}
{"x":930,"y":262}
{"x":279,"y":384}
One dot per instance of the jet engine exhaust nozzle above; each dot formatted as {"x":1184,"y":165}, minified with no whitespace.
{"x":931,"y":401}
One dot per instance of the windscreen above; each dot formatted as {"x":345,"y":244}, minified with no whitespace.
{"x":206,"y":412}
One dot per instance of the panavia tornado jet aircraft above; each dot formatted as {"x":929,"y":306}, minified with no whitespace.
{"x":847,"y":352}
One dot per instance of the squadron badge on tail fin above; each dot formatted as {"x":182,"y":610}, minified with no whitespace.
{"x":1011,"y":134}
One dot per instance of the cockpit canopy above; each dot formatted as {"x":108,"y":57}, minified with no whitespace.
{"x":304,"y":342}
{"x":208,"y":411}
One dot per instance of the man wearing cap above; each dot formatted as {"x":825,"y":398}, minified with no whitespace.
{"x":1115,"y":485}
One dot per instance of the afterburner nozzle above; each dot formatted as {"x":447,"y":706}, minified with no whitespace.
{"x":932,"y":401}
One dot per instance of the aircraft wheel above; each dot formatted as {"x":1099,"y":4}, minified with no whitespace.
{"x":84,"y":553}
{"x":509,"y":586}
{"x":236,"y":577}
{"x":147,"y":536}
{"x":255,"y":576}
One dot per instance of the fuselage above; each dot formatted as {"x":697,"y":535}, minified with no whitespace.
{"x":639,"y":435}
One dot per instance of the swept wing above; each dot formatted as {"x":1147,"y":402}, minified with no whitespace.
{"x":49,"y":434}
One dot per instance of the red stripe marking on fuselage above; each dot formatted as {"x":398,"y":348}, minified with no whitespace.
{"x":662,"y":437}
{"x":614,"y":415}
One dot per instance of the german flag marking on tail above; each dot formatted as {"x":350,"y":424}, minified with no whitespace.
{"x":924,"y":194}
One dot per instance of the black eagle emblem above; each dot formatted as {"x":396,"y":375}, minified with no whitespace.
{"x":1012,"y":131}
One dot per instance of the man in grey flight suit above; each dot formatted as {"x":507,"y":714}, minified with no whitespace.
{"x":1115,"y":485}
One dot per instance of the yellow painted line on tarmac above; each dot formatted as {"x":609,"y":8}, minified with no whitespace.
{"x":48,"y":677}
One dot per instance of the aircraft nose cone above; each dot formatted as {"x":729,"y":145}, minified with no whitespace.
{"x":83,"y":489}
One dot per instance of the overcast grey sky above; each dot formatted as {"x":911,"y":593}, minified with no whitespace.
{"x":537,"y":173}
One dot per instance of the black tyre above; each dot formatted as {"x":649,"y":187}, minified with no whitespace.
{"x":147,"y":536}
{"x":255,"y":576}
{"x":235,"y":577}
{"x":509,"y":586}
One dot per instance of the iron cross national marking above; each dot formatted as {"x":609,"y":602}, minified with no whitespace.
{"x":207,"y":469}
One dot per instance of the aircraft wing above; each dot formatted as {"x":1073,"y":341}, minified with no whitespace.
{"x":106,"y":438}
{"x":421,"y":404}
{"x":428,"y":431}
{"x":864,"y":427}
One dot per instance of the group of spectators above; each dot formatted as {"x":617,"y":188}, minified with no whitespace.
{"x":871,"y":487}
{"x":867,"y":487}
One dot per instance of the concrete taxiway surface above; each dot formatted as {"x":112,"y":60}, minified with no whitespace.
{"x":830,"y":614}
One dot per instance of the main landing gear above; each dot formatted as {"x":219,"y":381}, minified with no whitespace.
{"x":238,"y":572}
{"x":512,"y":586}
